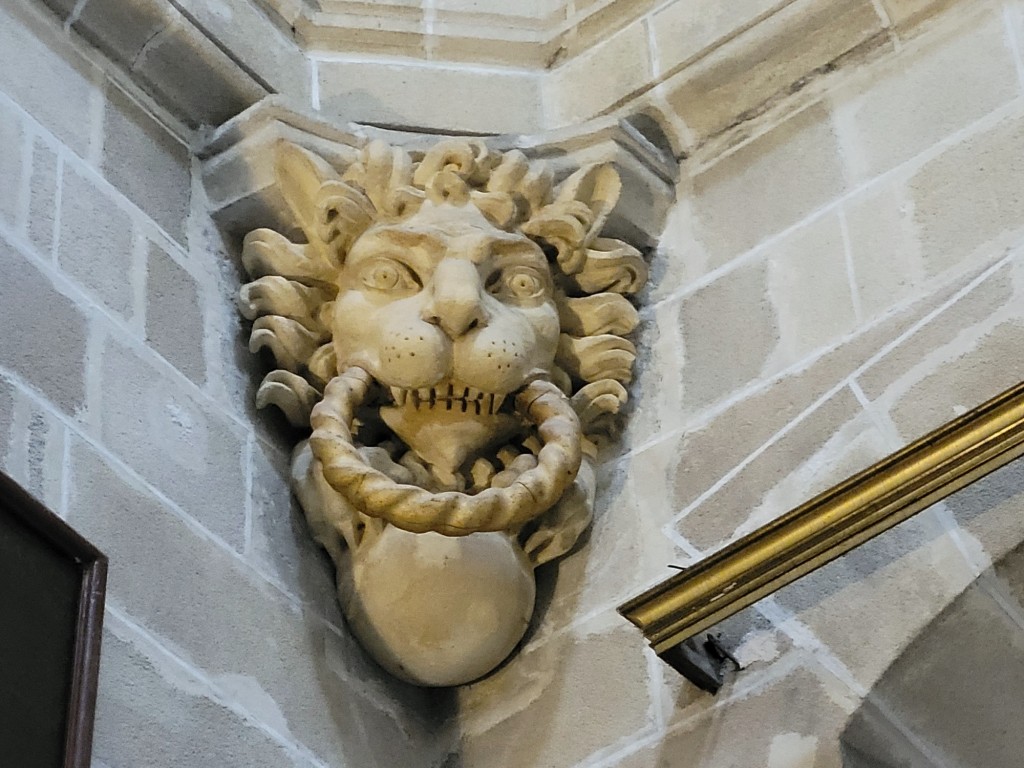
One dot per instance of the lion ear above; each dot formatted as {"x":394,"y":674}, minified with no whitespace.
{"x":300,"y":175}
{"x":596,"y":186}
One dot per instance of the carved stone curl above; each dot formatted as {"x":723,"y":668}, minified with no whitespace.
{"x":453,"y":331}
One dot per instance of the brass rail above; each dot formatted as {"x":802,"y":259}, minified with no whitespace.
{"x":832,"y":523}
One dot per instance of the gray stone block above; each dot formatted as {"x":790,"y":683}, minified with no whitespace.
{"x":728,"y":511}
{"x":11,"y":166}
{"x":183,"y":446}
{"x":284,"y":666}
{"x":44,"y":332}
{"x":96,"y":244}
{"x":146,"y":163}
{"x":282,"y":545}
{"x":730,"y":329}
{"x":42,"y":202}
{"x":174,"y":314}
{"x":32,"y":448}
{"x":121,"y":29}
{"x":6,"y":416}
{"x":583,"y":691}
{"x":45,"y":75}
{"x":150,"y":711}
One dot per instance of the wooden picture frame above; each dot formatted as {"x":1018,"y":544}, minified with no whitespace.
{"x":52,"y":587}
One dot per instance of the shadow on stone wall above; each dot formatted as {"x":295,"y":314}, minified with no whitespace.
{"x":952,"y":697}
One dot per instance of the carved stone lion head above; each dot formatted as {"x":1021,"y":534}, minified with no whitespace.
{"x":453,"y":330}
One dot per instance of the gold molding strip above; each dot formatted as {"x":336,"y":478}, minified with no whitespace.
{"x":832,"y":523}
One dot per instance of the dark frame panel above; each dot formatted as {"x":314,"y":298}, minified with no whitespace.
{"x":92,"y":563}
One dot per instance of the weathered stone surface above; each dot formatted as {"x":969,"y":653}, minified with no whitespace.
{"x":906,"y":12}
{"x":281,"y":544}
{"x":174,"y":314}
{"x":895,"y":583}
{"x":966,"y":201}
{"x":965,"y":375}
{"x":122,"y":30}
{"x":614,"y":68}
{"x":894,"y":111}
{"x":767,"y":185}
{"x":171,"y":717}
{"x":54,"y":364}
{"x":46,"y":76}
{"x":32,"y":447}
{"x":749,"y":498}
{"x":406,"y":96}
{"x":42,"y":201}
{"x":971,"y":655}
{"x":180,"y":444}
{"x":767,"y":59}
{"x":598,"y":671}
{"x":810,"y":289}
{"x":988,"y":512}
{"x":973,"y":309}
{"x":884,"y":248}
{"x":789,"y":716}
{"x":730,"y":331}
{"x":295,"y":673}
{"x":96,"y":247}
{"x":12,"y":139}
{"x":134,"y":140}
{"x":683,"y":30}
{"x":6,"y":417}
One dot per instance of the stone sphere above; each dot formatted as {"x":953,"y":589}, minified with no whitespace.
{"x":438,"y":610}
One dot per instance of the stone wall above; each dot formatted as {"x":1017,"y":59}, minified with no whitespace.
{"x":826,"y":290}
{"x":837,"y":277}
{"x":126,"y":406}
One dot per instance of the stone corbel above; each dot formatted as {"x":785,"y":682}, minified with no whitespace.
{"x":449,"y":318}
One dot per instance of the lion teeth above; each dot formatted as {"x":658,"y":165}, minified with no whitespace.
{"x":398,"y":395}
{"x":498,"y":400}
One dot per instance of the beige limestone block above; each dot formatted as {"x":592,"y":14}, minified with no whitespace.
{"x":593,"y":82}
{"x":966,"y":201}
{"x":737,"y":78}
{"x":988,"y":513}
{"x":884,"y":249}
{"x":494,"y":102}
{"x":745,"y":500}
{"x":809,"y":285}
{"x":559,"y":701}
{"x":684,"y":30}
{"x":767,"y":185}
{"x":978,"y":365}
{"x":932,"y":88}
{"x":787,"y":715}
{"x":730,"y":331}
{"x":905,"y":13}
{"x":904,"y":361}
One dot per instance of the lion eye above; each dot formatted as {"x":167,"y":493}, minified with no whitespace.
{"x":387,"y":275}
{"x":520,"y":283}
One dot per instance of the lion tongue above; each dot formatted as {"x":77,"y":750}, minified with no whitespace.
{"x":445,"y":439}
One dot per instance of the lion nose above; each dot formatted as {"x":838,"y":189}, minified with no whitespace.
{"x":456,"y":298}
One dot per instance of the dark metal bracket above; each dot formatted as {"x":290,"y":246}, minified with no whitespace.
{"x":702,"y":664}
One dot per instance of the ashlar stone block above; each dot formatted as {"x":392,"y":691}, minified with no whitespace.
{"x":171,"y":719}
{"x":54,"y":361}
{"x":96,"y":246}
{"x":931,"y":89}
{"x":12,"y":139}
{"x":177,"y":441}
{"x":730,"y":331}
{"x":767,"y":185}
{"x":42,"y":201}
{"x":134,"y":140}
{"x":810,"y":288}
{"x":46,"y":76}
{"x":174,"y":314}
